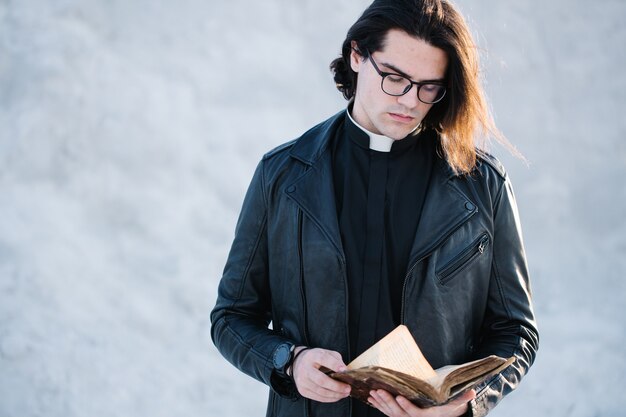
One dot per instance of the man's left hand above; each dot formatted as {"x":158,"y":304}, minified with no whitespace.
{"x":401,"y":407}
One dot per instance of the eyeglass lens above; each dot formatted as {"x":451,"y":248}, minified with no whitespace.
{"x":397,"y":85}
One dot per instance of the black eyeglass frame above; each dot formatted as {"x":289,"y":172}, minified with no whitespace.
{"x":419,"y":85}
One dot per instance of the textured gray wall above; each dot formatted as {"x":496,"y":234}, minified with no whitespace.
{"x":129,"y":131}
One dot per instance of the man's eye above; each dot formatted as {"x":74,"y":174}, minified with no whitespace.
{"x":431,"y":88}
{"x":396,"y":79}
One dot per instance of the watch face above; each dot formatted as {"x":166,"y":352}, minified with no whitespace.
{"x":281,"y":356}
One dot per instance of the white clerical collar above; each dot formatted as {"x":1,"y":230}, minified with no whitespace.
{"x":378,"y":143}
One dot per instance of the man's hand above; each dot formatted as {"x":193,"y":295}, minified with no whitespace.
{"x":401,"y":407}
{"x":314,"y":384}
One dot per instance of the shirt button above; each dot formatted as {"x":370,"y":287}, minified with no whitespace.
{"x":291,"y":188}
{"x":469,"y":206}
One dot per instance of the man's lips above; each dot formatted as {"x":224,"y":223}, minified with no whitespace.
{"x":401,"y":117}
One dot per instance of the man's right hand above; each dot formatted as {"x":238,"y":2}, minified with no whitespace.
{"x":313,"y":383}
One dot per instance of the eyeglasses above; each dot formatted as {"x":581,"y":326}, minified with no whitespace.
{"x":398,"y":85}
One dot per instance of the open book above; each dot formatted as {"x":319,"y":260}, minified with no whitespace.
{"x":396,"y":364}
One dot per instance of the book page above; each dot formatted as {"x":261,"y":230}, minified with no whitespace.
{"x":397,"y":351}
{"x":441,"y":374}
{"x":452,"y":375}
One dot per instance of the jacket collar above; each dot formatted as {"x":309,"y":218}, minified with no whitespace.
{"x":312,"y":144}
{"x":445,"y":209}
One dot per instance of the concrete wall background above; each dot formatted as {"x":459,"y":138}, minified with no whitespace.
{"x":129,"y":132}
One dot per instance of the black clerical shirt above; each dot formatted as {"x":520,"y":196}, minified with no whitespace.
{"x":379,"y":197}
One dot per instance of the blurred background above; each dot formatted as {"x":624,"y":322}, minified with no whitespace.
{"x":129,"y":131}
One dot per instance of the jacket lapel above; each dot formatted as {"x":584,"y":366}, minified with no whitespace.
{"x":314,"y":191}
{"x":445,"y":209}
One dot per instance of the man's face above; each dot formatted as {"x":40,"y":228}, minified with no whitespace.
{"x":380,"y":113}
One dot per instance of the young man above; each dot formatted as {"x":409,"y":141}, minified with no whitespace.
{"x":384,"y":214}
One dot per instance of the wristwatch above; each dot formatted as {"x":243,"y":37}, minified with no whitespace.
{"x":283,"y":355}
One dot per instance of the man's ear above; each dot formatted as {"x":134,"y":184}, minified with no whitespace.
{"x":356,"y":58}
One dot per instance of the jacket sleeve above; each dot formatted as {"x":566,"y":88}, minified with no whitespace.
{"x":509,"y":327}
{"x":240,"y":318}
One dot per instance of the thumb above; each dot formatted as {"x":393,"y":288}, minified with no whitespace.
{"x":461,"y":403}
{"x":334,"y":361}
{"x":467,"y":396}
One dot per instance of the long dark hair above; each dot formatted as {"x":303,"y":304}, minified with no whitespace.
{"x":463,"y":115}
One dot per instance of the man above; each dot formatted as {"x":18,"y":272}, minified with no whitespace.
{"x":384,"y":214}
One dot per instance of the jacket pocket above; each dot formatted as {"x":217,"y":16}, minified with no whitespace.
{"x":463,"y":259}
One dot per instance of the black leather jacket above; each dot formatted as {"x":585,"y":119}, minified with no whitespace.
{"x":466,"y":293}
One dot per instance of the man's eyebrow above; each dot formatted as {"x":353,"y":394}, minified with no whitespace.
{"x":404,"y":74}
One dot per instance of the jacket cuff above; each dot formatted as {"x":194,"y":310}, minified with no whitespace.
{"x":284,"y":386}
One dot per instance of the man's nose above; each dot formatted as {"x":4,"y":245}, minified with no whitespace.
{"x":409,"y":99}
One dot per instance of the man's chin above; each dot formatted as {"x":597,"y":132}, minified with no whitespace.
{"x":400,"y":134}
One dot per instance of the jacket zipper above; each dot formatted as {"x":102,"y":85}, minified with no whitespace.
{"x":344,"y":270}
{"x":420,"y":259}
{"x":302,"y":290}
{"x":476,"y":248}
{"x":307,"y":402}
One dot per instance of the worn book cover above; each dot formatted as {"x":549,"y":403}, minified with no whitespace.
{"x":396,"y":364}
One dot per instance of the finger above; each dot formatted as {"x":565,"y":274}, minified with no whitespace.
{"x":310,"y":389}
{"x":323,"y":396}
{"x":330,"y":359}
{"x":388,"y":404}
{"x":377,"y":403}
{"x":374,"y":402}
{"x":314,"y":384}
{"x":324,"y":381}
{"x":307,"y":369}
{"x":407,"y":406}
{"x":321,"y":357}
{"x":313,"y":378}
{"x":460,"y":405}
{"x":319,"y":380}
{"x":454,"y":408}
{"x":466,"y":397}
